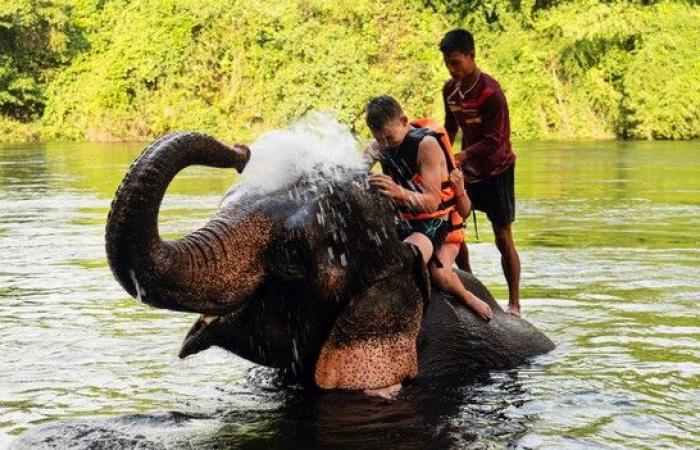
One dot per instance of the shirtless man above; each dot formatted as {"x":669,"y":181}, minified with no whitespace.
{"x":416,"y":177}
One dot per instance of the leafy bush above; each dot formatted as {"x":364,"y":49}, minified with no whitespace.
{"x":36,"y":38}
{"x":134,"y":69}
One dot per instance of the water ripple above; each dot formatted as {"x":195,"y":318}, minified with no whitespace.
{"x":609,"y":272}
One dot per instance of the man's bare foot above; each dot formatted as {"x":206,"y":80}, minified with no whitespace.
{"x":514,"y":310}
{"x":387,"y":392}
{"x":480,"y":307}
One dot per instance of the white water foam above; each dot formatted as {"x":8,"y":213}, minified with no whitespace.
{"x":317,"y":145}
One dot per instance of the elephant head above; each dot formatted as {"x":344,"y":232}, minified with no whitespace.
{"x":309,"y":276}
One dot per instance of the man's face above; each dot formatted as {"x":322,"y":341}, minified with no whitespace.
{"x":460,"y":65}
{"x":392,"y":133}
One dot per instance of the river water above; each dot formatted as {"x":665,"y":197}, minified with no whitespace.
{"x":608,"y":235}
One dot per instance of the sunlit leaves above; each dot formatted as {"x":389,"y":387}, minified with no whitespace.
{"x":135,"y":69}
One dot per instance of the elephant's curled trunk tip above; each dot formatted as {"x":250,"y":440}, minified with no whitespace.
{"x":244,"y":150}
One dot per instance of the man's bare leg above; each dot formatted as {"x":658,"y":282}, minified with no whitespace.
{"x":446,"y":279}
{"x":463,"y":258}
{"x":510,"y":261}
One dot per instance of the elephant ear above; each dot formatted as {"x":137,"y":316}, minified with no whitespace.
{"x":373,"y":341}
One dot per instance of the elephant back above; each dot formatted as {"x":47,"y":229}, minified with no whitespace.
{"x":453,"y":340}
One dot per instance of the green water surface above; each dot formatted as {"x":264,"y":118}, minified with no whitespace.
{"x":607,"y":233}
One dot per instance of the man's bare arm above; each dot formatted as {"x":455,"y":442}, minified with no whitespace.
{"x":463,"y":203}
{"x":431,"y":162}
{"x":430,"y":165}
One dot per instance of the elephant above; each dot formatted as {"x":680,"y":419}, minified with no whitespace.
{"x":309,"y":277}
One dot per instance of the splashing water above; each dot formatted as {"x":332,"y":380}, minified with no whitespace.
{"x":318,"y":145}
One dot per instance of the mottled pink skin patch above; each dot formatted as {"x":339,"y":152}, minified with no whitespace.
{"x":373,"y":341}
{"x":368,"y":364}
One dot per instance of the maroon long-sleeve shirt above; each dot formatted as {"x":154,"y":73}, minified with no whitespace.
{"x":482,"y":114}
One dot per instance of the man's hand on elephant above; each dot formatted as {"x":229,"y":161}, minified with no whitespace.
{"x":373,"y":149}
{"x":457,"y":180}
{"x":371,"y":155}
{"x":387,"y":186}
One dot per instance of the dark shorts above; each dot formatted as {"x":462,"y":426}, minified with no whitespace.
{"x":496,"y":197}
{"x":434,"y":229}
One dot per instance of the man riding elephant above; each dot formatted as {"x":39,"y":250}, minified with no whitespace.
{"x":417,"y":170}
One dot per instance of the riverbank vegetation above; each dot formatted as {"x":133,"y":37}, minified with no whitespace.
{"x":104,"y":70}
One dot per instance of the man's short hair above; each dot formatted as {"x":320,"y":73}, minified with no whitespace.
{"x":381,"y":110}
{"x":458,"y":40}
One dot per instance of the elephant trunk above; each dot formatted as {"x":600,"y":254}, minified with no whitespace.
{"x":162,"y":273}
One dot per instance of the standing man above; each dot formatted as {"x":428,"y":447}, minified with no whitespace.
{"x":474,"y":103}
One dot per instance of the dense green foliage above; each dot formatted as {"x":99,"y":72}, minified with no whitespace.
{"x":134,"y":69}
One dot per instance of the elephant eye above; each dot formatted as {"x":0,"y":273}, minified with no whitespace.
{"x":289,"y":258}
{"x":294,"y":254}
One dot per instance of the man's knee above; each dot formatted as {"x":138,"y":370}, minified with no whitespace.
{"x":503,"y":236}
{"x":423,"y":243}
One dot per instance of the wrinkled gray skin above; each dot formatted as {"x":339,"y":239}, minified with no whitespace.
{"x":281,"y":270}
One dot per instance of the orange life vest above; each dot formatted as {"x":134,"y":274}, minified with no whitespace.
{"x":447,"y":193}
